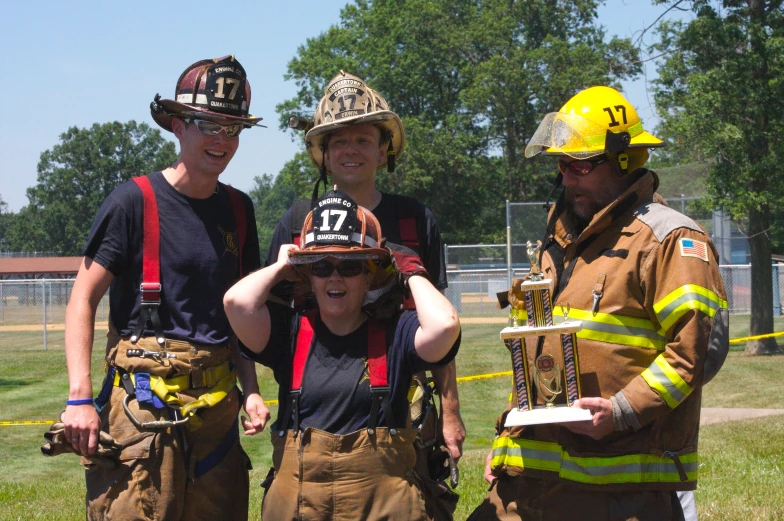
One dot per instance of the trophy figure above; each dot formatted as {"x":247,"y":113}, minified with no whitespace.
{"x":548,"y":375}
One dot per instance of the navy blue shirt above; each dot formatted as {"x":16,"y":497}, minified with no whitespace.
{"x":336,"y":394}
{"x":388,"y":213}
{"x":199,"y":258}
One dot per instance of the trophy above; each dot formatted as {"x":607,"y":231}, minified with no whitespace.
{"x":531,"y":297}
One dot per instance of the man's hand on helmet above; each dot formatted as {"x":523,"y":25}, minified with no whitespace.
{"x":406,"y":262}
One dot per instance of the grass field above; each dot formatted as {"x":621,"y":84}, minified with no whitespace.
{"x":741,"y":463}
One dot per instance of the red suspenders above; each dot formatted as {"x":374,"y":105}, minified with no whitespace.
{"x":151,"y":265}
{"x":151,"y":255}
{"x":377,"y":367}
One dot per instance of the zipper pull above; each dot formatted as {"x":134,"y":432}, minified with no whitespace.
{"x":598,"y":292}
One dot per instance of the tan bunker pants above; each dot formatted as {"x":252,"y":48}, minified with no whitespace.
{"x":152,"y":479}
{"x":322,"y":476}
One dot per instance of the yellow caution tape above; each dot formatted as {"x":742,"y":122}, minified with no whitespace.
{"x":758,"y":337}
{"x":28,"y":422}
{"x":483,"y":376}
{"x":461,"y":379}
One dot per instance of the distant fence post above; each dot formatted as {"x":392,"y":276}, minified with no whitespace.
{"x":43,"y":301}
{"x":508,"y":244}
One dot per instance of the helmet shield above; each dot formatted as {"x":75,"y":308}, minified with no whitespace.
{"x":339,"y":227}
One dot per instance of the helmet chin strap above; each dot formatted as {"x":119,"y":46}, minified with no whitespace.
{"x":322,"y":176}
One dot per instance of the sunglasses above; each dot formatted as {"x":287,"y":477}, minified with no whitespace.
{"x":211,"y":128}
{"x":347,"y":268}
{"x":582,"y":167}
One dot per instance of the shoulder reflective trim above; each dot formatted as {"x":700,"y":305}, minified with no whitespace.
{"x":663,"y":379}
{"x":616,"y":329}
{"x":663,"y":220}
{"x":597,"y":470}
{"x":679,"y":302}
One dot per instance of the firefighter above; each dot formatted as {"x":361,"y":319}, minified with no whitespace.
{"x":170,"y":244}
{"x":644,"y":281}
{"x":343,"y":445}
{"x":353,"y":135}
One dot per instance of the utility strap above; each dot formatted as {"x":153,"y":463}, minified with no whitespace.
{"x":216,"y":456}
{"x":240,"y":220}
{"x":150,"y":287}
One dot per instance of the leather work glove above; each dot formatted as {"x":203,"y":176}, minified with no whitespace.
{"x":406,"y":262}
{"x":56,"y":444}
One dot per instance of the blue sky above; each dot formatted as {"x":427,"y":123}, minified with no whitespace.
{"x":84,"y":62}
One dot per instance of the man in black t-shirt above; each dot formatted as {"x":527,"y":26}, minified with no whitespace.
{"x":170,"y":397}
{"x":351,"y":145}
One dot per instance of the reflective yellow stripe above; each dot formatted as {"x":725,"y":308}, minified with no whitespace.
{"x":521,"y":314}
{"x":679,"y":302}
{"x":616,"y":329}
{"x":597,"y":470}
{"x":663,"y":379}
{"x":599,"y":139}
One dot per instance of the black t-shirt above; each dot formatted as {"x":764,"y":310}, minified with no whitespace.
{"x":336,"y":395}
{"x":198,"y":251}
{"x":388,"y":213}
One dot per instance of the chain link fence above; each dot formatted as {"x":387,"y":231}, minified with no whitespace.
{"x":32,"y":313}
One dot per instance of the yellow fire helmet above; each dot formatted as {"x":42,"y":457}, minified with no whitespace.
{"x":595,"y":121}
{"x":349,"y":101}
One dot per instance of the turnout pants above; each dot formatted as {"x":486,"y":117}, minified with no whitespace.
{"x":323,"y":476}
{"x":530,"y":499}
{"x":155,"y":477}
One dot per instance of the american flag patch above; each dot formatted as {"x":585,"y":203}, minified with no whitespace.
{"x":692,"y":248}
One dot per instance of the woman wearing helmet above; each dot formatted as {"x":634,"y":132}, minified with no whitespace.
{"x":343,"y":446}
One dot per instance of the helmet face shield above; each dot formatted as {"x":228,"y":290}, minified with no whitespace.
{"x":567,"y":134}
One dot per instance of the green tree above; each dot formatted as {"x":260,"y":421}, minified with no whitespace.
{"x":721,"y":91}
{"x":76,"y":175}
{"x":272,"y":198}
{"x":471,"y":79}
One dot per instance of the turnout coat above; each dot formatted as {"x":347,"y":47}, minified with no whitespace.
{"x":644,"y":280}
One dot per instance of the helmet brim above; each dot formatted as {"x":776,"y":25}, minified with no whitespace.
{"x":171,"y":108}
{"x":311,"y":255}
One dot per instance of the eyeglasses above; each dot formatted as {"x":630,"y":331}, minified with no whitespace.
{"x":211,"y":128}
{"x":347,"y":268}
{"x":581,"y":167}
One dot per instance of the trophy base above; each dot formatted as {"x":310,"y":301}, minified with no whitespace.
{"x":541,"y":414}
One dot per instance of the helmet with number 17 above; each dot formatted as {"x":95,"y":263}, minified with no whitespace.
{"x":595,"y":121}
{"x":349,"y":101}
{"x":209,"y":89}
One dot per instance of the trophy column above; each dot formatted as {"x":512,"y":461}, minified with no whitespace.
{"x":547,"y":373}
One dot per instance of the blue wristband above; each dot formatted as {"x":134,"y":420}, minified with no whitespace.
{"x":83,"y":401}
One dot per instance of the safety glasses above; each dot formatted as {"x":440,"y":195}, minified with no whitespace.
{"x":581,"y":167}
{"x":346,"y":268}
{"x":211,"y":128}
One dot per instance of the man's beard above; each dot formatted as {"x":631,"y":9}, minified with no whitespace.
{"x":580,"y":215}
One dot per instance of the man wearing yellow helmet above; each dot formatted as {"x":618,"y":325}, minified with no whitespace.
{"x":644,"y":281}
